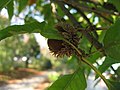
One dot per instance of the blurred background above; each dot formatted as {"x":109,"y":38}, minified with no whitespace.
{"x":25,"y":60}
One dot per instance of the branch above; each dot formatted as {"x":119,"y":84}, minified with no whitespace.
{"x":89,"y":9}
{"x":93,"y":41}
{"x":95,"y":2}
{"x":68,"y":13}
{"x":93,"y":9}
{"x":99,"y":14}
{"x":97,"y":45}
{"x":91,"y":30}
{"x":88,"y":21}
{"x":90,"y":65}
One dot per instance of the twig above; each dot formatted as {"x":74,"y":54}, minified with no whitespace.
{"x":94,"y":10}
{"x":88,"y":21}
{"x":99,"y":14}
{"x":90,"y":65}
{"x":95,"y":2}
{"x":105,"y":5}
{"x":91,"y":30}
{"x":97,"y":45}
{"x":89,"y":9}
{"x":68,"y":13}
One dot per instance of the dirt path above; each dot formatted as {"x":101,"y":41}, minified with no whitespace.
{"x":35,"y":82}
{"x":40,"y":81}
{"x":25,"y":84}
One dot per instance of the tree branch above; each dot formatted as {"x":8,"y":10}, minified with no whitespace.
{"x":99,"y":14}
{"x":88,"y":21}
{"x":95,"y":2}
{"x":89,"y":9}
{"x":93,"y":9}
{"x":91,"y":30}
{"x":93,"y":41}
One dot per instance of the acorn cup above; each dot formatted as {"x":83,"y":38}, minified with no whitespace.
{"x":59,"y":48}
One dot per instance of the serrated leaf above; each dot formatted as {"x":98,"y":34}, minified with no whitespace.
{"x":10,"y":9}
{"x":106,"y":64}
{"x":3,"y":3}
{"x":34,"y":27}
{"x":112,"y":41}
{"x":75,"y":81}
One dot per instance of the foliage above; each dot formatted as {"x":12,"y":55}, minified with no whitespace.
{"x":17,"y":49}
{"x":28,"y":28}
{"x":96,"y":24}
{"x":73,"y":81}
{"x":111,"y":40}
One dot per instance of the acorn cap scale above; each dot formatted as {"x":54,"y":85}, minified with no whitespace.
{"x":60,"y":48}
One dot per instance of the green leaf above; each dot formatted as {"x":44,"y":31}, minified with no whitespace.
{"x":46,"y":11}
{"x":10,"y":9}
{"x":34,"y":27}
{"x":75,"y":81}
{"x":115,"y":85}
{"x":84,"y":44}
{"x":60,"y":12}
{"x":112,"y":41}
{"x":118,"y":70}
{"x":116,"y":3}
{"x":51,"y":34}
{"x":72,"y":62}
{"x":102,"y":35}
{"x":3,"y":3}
{"x":22,"y":5}
{"x":92,"y":58}
{"x":106,"y":64}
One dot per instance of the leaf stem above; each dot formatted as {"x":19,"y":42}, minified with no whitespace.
{"x":95,"y":69}
{"x":89,"y":64}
